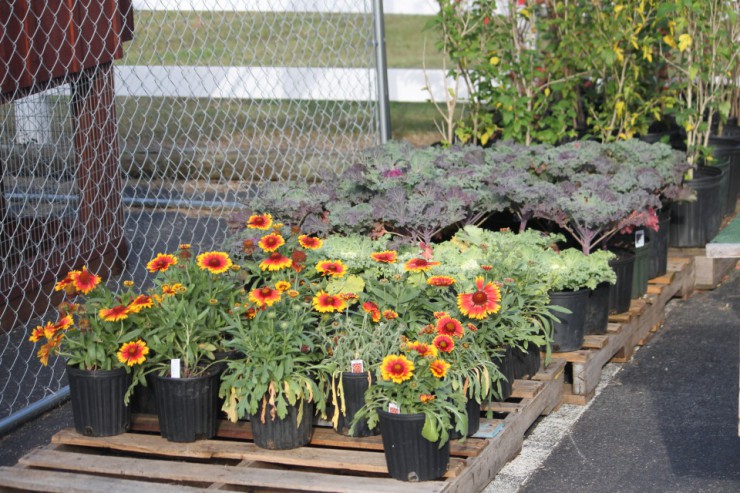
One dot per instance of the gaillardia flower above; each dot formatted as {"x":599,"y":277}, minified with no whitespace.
{"x":271,"y":242}
{"x":84,"y":281}
{"x":324,"y":302}
{"x":282,"y":286}
{"x":444,"y":343}
{"x":275,"y":261}
{"x":481,"y":303}
{"x":439,"y":368}
{"x":334,"y":268}
{"x":390,"y":314}
{"x":214,"y":262}
{"x":115,"y":314}
{"x":310,"y":242}
{"x":450,"y":326}
{"x":441,"y":281}
{"x":422,"y":348}
{"x":424,"y":398}
{"x":140,"y":302}
{"x":161,"y":262}
{"x":396,"y":367}
{"x":385,"y":257}
{"x":419,"y":265}
{"x":265,"y":296}
{"x":133,"y":353}
{"x":259,"y":221}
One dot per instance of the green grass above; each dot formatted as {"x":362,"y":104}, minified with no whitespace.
{"x":270,"y":39}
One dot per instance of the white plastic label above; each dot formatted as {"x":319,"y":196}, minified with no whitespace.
{"x":175,"y":368}
{"x":357,"y":366}
{"x":639,"y":238}
{"x":394,"y":408}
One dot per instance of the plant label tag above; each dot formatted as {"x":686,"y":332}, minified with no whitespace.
{"x":394,"y":408}
{"x":175,"y":368}
{"x":639,"y":238}
{"x":357,"y":366}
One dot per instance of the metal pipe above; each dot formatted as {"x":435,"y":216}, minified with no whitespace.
{"x":381,"y":70}
{"x":37,"y":408}
{"x":131,"y":201}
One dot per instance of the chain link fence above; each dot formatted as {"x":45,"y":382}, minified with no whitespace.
{"x":212,"y":98}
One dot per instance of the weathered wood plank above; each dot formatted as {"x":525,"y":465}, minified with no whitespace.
{"x":67,"y":482}
{"x":191,"y":472}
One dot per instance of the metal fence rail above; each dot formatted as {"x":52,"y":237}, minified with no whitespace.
{"x":185,"y":162}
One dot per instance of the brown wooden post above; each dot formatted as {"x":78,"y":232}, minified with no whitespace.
{"x":97,"y":154}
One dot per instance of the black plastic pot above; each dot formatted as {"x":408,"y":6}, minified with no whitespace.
{"x":354,"y":385}
{"x":98,"y":409}
{"x":695,"y":223}
{"x":640,"y":271}
{"x":410,"y":456}
{"x":506,"y":367}
{"x":472,"y":410}
{"x":286,"y":433}
{"x":659,"y":244}
{"x":726,"y":151}
{"x":597,"y":310}
{"x":188,"y":407}
{"x":143,"y":400}
{"x":525,"y":363}
{"x":568,"y":332}
{"x":620,"y":293}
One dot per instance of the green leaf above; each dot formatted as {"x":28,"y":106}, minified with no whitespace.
{"x":430,"y":431}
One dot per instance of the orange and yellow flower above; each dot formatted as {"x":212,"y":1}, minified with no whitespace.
{"x":214,"y":262}
{"x":444,"y":343}
{"x":422,"y":348}
{"x":264,"y":296}
{"x":173,"y":289}
{"x":439,"y":315}
{"x":66,"y":284}
{"x":282,"y":286}
{"x":37,"y":333}
{"x":84,"y":281}
{"x":140,"y":302}
{"x":424,"y":398}
{"x":161,"y":262}
{"x":396,"y":367}
{"x":441,"y":281}
{"x":271,"y":242}
{"x":481,"y":303}
{"x":324,"y":302}
{"x":450,"y":326}
{"x":333,"y":268}
{"x":115,"y":314}
{"x":385,"y":257}
{"x":419,"y":265}
{"x":373,"y":310}
{"x":260,"y":221}
{"x":133,"y":353}
{"x":275,"y":261}
{"x":439,"y":368}
{"x":310,"y":242}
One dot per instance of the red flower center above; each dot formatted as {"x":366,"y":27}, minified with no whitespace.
{"x":479,"y":298}
{"x":450,"y":327}
{"x":398,"y":368}
{"x":275,"y":256}
{"x":265,"y":291}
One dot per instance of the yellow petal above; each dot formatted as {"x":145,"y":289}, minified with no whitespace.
{"x":668,"y":39}
{"x":494,"y":60}
{"x":684,"y":41}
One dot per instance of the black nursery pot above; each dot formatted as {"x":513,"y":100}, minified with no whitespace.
{"x":658,"y":258}
{"x":410,"y":456}
{"x":620,"y":294}
{"x":640,"y":271}
{"x":286,"y":433}
{"x":355,"y":385}
{"x":597,"y":311}
{"x":694,"y":224}
{"x":472,"y":410}
{"x":98,"y":407}
{"x":526,"y":363}
{"x":188,"y":407}
{"x":568,"y":333}
{"x":505,"y":365}
{"x":727,"y":149}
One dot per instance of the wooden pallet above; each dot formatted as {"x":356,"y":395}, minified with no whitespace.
{"x":708,"y":271}
{"x":625,"y":331}
{"x":141,"y":461}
